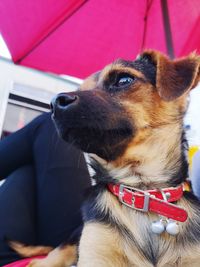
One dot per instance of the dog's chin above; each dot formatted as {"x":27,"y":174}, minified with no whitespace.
{"x":107,"y":144}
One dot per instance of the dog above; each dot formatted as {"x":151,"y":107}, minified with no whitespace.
{"x":129,"y":118}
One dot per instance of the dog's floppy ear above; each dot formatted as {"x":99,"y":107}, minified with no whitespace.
{"x":174,"y":77}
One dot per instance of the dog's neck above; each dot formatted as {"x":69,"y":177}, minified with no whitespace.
{"x":159,"y":161}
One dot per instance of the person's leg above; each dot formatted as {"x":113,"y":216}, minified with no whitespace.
{"x":62,"y":178}
{"x":17,"y":211}
{"x":60,"y":190}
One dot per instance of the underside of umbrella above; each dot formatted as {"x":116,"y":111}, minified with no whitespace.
{"x":78,"y":37}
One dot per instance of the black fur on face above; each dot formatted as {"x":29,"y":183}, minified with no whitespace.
{"x":95,"y":124}
{"x":144,"y":64}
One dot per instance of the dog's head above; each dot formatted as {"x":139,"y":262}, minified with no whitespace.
{"x":124,"y":106}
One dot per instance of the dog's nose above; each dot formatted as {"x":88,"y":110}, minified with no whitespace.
{"x":62,"y":102}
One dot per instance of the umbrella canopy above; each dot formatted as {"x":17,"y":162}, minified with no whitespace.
{"x":79,"y":37}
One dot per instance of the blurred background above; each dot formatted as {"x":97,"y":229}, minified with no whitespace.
{"x":49,"y":46}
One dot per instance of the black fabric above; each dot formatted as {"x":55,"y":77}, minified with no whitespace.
{"x":17,"y":211}
{"x":46,"y":178}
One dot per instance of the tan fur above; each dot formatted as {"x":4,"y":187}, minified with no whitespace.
{"x":118,"y":67}
{"x":100,"y":246}
{"x":29,"y":251}
{"x":89,"y":83}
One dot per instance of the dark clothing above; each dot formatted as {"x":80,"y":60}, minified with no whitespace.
{"x":41,"y":197}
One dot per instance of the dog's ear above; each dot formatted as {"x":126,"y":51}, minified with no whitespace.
{"x":174,"y":77}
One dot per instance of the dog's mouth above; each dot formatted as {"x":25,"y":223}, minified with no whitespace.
{"x":106,"y":143}
{"x":110,"y":137}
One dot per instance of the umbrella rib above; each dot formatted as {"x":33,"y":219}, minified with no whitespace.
{"x":53,"y":29}
{"x":167,"y":28}
{"x":148,"y":6}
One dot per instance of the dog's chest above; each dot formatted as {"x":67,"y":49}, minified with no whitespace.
{"x":146,"y":249}
{"x":141,"y":246}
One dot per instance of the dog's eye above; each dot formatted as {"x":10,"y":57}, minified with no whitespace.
{"x":124,"y":81}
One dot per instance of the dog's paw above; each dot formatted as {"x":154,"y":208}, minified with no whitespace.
{"x":59,"y":257}
{"x":39,"y":263}
{"x":45,"y":262}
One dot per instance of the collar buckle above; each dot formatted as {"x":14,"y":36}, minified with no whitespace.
{"x":146,"y":195}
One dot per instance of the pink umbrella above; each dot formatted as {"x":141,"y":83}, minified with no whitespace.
{"x":78,"y":37}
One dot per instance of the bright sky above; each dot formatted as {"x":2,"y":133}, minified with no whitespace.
{"x":3,"y":49}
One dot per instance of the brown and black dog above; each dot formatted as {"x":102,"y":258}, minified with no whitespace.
{"x":129,"y":118}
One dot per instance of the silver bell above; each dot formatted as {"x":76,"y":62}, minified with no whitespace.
{"x":158,"y":227}
{"x":172,"y":228}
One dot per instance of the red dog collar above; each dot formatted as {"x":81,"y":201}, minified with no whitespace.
{"x":151,"y":200}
